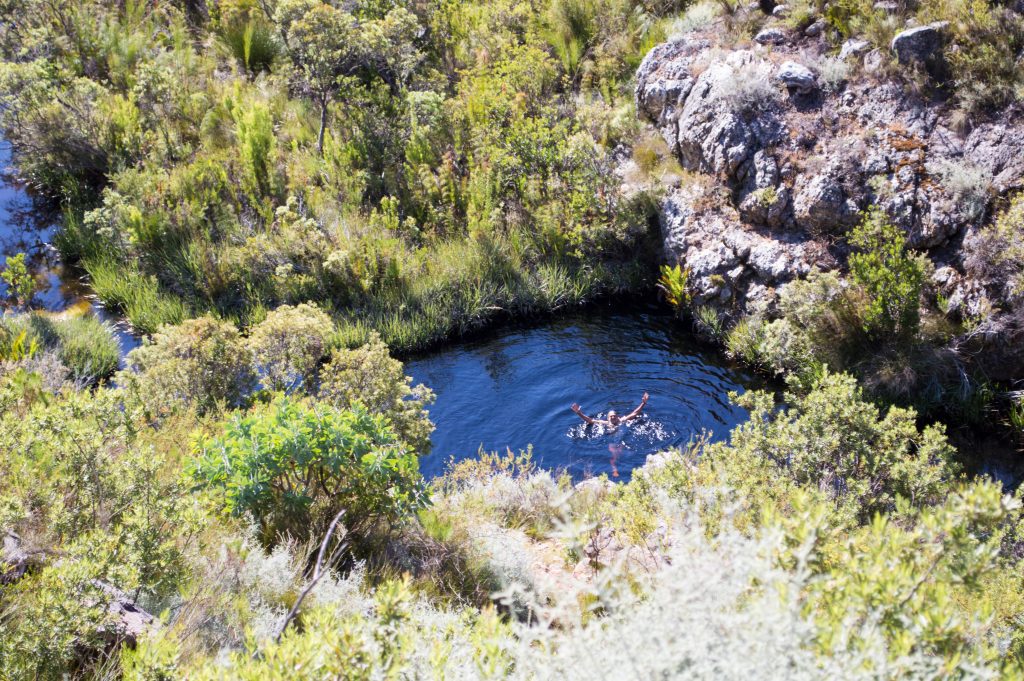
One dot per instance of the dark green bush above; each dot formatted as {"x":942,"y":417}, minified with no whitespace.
{"x":891,"y":276}
{"x":293,"y":465}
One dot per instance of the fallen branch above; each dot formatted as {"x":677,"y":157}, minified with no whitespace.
{"x":318,"y":572}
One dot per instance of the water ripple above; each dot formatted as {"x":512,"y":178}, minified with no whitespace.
{"x":513,"y":390}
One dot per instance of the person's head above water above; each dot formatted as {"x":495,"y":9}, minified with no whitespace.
{"x":613,"y":417}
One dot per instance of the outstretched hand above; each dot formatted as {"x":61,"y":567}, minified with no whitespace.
{"x":575,"y":407}
{"x":645,"y":398}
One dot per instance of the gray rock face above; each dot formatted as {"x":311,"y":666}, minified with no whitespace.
{"x":713,"y":134}
{"x":725,"y":257}
{"x":784,"y":178}
{"x":771,"y":36}
{"x":822,"y":205}
{"x":13,"y":559}
{"x":664,"y":81}
{"x":797,"y":77}
{"x":921,"y":46}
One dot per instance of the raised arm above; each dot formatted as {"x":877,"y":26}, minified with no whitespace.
{"x":579,"y":412}
{"x":636,"y":412}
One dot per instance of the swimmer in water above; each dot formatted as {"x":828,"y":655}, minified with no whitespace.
{"x":613,"y":421}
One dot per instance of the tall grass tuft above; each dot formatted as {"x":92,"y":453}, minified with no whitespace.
{"x":85,"y":345}
{"x":135,"y":295}
{"x":252,"y":42}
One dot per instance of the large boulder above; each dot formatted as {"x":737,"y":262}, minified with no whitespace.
{"x":797,"y":77}
{"x":771,"y":36}
{"x":14,"y":559}
{"x":922,"y":47}
{"x":822,"y":205}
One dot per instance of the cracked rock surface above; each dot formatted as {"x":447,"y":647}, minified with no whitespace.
{"x":782,"y":181}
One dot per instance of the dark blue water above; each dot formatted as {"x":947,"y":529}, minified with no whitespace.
{"x":515,"y":390}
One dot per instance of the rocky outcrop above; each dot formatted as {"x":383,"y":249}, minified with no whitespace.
{"x":731,"y":263}
{"x":785,"y":166}
{"x":921,"y":46}
{"x":14,"y":559}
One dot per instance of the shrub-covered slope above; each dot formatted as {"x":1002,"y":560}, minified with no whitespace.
{"x":415,"y":168}
{"x":171,"y":528}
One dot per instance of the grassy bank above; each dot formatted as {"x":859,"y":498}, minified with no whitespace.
{"x":417,"y":170}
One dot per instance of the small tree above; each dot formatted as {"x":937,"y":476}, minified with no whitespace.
{"x":332,"y":50}
{"x":891,"y":276}
{"x":21,"y":285}
{"x":293,"y":466}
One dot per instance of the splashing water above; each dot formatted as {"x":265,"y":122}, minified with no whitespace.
{"x":514,"y":390}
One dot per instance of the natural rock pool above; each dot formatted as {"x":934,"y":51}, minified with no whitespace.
{"x":513,"y":390}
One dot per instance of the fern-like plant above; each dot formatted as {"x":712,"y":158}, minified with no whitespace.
{"x":674,"y":283}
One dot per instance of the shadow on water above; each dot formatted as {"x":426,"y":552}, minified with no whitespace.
{"x":27,"y":226}
{"x":514,"y":390}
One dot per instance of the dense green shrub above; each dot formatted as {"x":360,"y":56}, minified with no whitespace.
{"x":348,"y":171}
{"x":87,"y":347}
{"x":202,"y":362}
{"x":833,"y":440}
{"x":288,"y":345}
{"x":292,"y":466}
{"x":369,"y":376}
{"x":244,"y":28}
{"x":891,"y":276}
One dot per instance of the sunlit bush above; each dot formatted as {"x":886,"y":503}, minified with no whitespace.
{"x":368,"y":375}
{"x":203,"y":362}
{"x":292,"y":466}
{"x":288,"y":345}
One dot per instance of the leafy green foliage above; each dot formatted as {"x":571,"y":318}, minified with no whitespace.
{"x":292,"y":466}
{"x":21,"y":284}
{"x":15,"y":347}
{"x":996,"y":254}
{"x":414,"y":171}
{"x":835,"y":441}
{"x":674,"y":283}
{"x":369,"y":376}
{"x":892,"y":278}
{"x":247,"y":32}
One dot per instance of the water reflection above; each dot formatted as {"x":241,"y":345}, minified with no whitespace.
{"x":512,"y":391}
{"x":29,"y":227}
